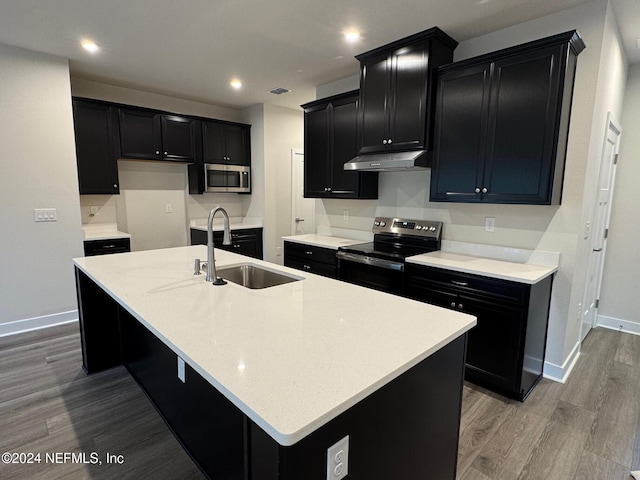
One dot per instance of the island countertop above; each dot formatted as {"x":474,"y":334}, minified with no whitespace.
{"x":290,"y":357}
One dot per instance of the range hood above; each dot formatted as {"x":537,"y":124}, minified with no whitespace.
{"x":389,"y":162}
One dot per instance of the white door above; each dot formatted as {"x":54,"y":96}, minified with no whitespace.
{"x":600,"y":226}
{"x":303,"y":210}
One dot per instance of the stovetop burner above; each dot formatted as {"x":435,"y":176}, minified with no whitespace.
{"x":396,"y":239}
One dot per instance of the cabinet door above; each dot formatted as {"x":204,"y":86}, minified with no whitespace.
{"x":178,"y":138}
{"x":344,"y":148}
{"x":493,"y":348}
{"x":97,"y":165}
{"x":374,"y":105}
{"x":407,"y":116}
{"x":460,"y":132}
{"x":237,"y":145}
{"x":316,"y":153}
{"x":139,"y":134}
{"x":213,"y":142}
{"x":522,"y":126}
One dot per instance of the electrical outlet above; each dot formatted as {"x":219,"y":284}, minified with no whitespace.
{"x":278,"y":251}
{"x":489,"y":224}
{"x":94,"y":210}
{"x":45,"y":215}
{"x":169,"y":208}
{"x":338,"y":459}
{"x":181,"y":370}
{"x":345,"y":215}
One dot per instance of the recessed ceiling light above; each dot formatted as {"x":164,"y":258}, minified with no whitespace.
{"x":90,"y":46}
{"x":235,"y":84}
{"x":352,"y":36}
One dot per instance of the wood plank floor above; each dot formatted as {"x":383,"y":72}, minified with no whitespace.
{"x":585,"y":429}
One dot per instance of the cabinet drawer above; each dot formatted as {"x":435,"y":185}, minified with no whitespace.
{"x":467,"y":284}
{"x":105,"y":247}
{"x":318,"y":268}
{"x":308,"y":253}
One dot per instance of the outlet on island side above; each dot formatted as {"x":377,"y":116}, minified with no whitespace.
{"x":338,"y":459}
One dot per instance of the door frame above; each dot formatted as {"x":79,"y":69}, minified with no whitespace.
{"x":296,"y":153}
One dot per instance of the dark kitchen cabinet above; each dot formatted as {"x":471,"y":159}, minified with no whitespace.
{"x":152,"y":135}
{"x":396,"y":92}
{"x":505,"y":351}
{"x":330,"y":138}
{"x":247,"y":241}
{"x":227,"y":143}
{"x":94,"y":124}
{"x":310,"y":258}
{"x":502,"y":122}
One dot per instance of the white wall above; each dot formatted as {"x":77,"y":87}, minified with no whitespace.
{"x":599,"y":87}
{"x":619,"y":299}
{"x":38,"y":171}
{"x":275,"y":131}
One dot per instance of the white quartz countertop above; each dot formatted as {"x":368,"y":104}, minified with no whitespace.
{"x":291,"y":357}
{"x":514,"y":271}
{"x":325,"y":241}
{"x":105,"y":231}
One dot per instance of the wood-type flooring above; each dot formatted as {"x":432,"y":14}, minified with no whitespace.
{"x":586,"y":429}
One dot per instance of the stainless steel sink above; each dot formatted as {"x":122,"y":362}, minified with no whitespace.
{"x":255,"y":277}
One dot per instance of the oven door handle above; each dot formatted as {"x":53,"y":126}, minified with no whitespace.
{"x":375,"y":262}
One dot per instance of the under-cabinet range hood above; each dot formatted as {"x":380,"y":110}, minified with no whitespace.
{"x":389,"y":162}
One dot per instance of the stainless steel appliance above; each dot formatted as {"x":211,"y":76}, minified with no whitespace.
{"x":380,"y":264}
{"x":227,"y":178}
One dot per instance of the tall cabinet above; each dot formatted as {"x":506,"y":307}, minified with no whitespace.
{"x":330,"y":141}
{"x":502,"y":122}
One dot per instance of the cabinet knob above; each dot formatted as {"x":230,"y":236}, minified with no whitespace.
{"x":384,"y":142}
{"x":115,"y":185}
{"x":308,"y":252}
{"x":484,"y":190}
{"x":477,"y":190}
{"x":389,"y":141}
{"x":157,"y":152}
{"x":460,"y":306}
{"x":165,"y":153}
{"x":307,"y":267}
{"x":453,"y":304}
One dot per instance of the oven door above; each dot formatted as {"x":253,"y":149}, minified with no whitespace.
{"x":371,"y":272}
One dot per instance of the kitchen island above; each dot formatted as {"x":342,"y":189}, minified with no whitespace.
{"x":258,"y":384}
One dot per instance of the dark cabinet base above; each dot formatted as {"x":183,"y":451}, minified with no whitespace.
{"x":406,"y":429}
{"x":245,"y":241}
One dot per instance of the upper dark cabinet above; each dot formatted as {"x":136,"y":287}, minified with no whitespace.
{"x":94,"y":133}
{"x":502,"y":122}
{"x":150,"y":135}
{"x":330,"y":137}
{"x":396,"y":94}
{"x":226,"y":143}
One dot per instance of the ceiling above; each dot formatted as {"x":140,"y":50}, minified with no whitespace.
{"x":192,"y":48}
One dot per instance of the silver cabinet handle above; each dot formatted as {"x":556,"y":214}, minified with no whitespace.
{"x":306,"y":267}
{"x":298,"y":219}
{"x":461,"y":284}
{"x":309,"y":252}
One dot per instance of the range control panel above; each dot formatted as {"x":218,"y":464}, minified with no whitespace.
{"x":422,"y":228}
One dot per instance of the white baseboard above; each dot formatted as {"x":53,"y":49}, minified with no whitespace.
{"x":618,"y":324}
{"x":560,"y":373}
{"x":36,"y":323}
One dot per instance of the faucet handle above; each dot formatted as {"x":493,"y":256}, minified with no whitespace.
{"x":196,"y":267}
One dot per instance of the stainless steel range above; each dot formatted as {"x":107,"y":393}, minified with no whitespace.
{"x":380,"y":264}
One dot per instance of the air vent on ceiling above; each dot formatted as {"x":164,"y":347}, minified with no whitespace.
{"x":279,"y":91}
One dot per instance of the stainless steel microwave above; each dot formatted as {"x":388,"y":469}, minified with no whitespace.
{"x":227,"y":178}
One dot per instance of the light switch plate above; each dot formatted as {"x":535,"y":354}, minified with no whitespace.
{"x":45,"y":215}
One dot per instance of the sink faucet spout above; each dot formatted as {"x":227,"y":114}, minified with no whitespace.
{"x":212,"y":275}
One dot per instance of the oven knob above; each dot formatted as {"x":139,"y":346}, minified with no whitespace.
{"x":418,"y":227}
{"x":383,"y":224}
{"x":433,"y":229}
{"x":376,"y":223}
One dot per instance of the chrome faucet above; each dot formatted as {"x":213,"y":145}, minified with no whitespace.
{"x":211,"y":259}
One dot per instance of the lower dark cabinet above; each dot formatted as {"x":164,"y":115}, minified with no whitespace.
{"x":244,"y":241}
{"x":105,"y":247}
{"x":309,"y":258}
{"x":505,"y":351}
